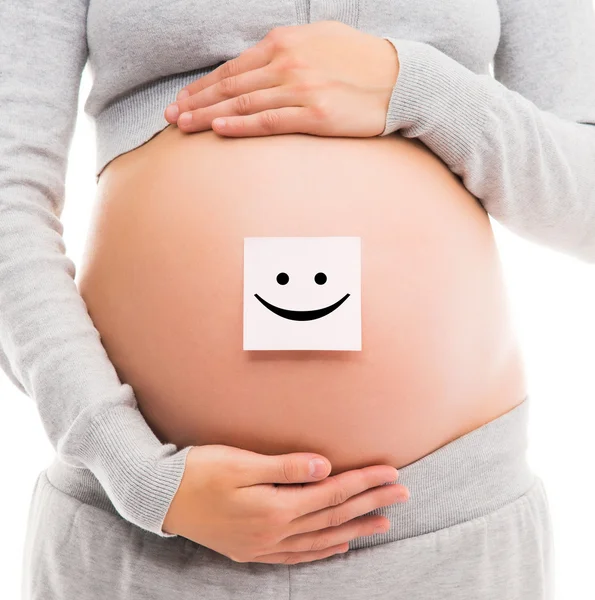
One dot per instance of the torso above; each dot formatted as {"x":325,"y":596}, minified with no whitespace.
{"x":162,"y":280}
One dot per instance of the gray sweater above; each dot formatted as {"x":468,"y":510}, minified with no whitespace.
{"x":522,"y":141}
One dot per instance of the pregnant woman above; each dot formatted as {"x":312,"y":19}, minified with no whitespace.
{"x":182,"y":460}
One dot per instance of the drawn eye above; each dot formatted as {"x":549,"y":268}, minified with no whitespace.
{"x":283,"y":278}
{"x":320,"y":278}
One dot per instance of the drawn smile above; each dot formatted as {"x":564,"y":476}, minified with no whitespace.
{"x":302,"y":315}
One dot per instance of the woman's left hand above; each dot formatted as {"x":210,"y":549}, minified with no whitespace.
{"x":324,"y":78}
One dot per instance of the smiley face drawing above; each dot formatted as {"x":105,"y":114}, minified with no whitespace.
{"x":302,"y":293}
{"x":302,"y":315}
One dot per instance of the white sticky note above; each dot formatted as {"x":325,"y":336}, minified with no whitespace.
{"x":302,"y":293}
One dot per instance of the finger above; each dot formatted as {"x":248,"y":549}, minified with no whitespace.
{"x":246,"y":104}
{"x":230,"y":87}
{"x":291,"y":558}
{"x":332,"y":536}
{"x":357,"y":506}
{"x":332,"y":491}
{"x":254,"y":57}
{"x":290,"y":119}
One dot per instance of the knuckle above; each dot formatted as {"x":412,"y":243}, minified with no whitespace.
{"x":305,"y":86}
{"x":243,"y":104}
{"x":192,"y":103}
{"x":320,"y":109}
{"x":339,"y":494}
{"x":270,"y":120}
{"x":289,"y":471}
{"x":278,"y":37}
{"x":228,"y":85}
{"x":291,"y":559}
{"x":320,"y":543}
{"x":230,"y":68}
{"x":336,"y":518}
{"x":291,"y":63}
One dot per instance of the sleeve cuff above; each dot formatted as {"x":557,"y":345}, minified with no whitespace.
{"x":139,"y":473}
{"x":437,"y":99}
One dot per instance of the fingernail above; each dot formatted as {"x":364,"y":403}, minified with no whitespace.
{"x":182,"y":94}
{"x":380,"y":529}
{"x":185,"y":118}
{"x":317,"y":467}
{"x":172,"y":111}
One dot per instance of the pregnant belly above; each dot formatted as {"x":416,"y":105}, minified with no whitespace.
{"x":162,"y":277}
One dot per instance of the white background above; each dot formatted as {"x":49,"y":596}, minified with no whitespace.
{"x":553,"y":300}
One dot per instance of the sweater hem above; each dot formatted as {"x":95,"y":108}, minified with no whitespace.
{"x":135,"y":118}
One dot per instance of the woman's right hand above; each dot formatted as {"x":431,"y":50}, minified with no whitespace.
{"x":228,"y":501}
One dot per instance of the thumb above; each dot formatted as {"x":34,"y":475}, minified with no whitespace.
{"x":296,"y":467}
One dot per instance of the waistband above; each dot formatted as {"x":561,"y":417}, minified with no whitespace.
{"x":466,"y":478}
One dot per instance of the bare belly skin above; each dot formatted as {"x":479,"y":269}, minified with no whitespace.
{"x":162,"y":278}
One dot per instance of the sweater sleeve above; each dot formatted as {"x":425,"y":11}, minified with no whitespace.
{"x":523,"y":141}
{"x":49,"y":347}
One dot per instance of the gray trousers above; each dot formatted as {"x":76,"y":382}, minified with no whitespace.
{"x":476,"y":527}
